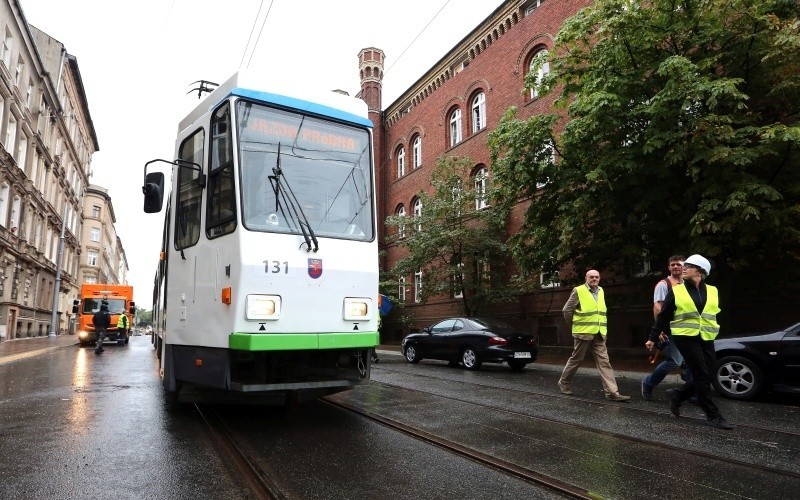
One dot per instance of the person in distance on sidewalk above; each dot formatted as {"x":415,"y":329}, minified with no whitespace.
{"x":585,"y":312}
{"x":690,"y":314}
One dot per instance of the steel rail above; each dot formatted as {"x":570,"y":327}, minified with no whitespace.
{"x":258,"y":482}
{"x":552,"y":483}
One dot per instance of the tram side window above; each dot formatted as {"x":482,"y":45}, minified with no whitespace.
{"x":190,"y":190}
{"x":221,"y":207}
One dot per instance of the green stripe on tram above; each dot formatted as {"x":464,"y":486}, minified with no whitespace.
{"x":301,"y":341}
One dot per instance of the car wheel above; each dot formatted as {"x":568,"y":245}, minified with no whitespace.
{"x":470,"y":359}
{"x":517,"y":366}
{"x":411,"y":354}
{"x":738,"y":378}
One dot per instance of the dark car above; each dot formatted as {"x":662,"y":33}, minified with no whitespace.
{"x":471,"y":341}
{"x":746,"y":365}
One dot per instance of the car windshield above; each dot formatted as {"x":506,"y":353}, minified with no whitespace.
{"x":491,"y":324}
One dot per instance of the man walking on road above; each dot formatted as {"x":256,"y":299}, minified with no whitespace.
{"x":101,"y":321}
{"x":690,"y":313}
{"x":672,"y":358}
{"x":585,"y":312}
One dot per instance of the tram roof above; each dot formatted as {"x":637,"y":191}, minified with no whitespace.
{"x":288,"y":94}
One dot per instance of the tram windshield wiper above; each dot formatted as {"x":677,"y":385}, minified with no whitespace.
{"x":293,"y":207}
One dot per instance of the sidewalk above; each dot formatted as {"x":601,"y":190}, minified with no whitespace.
{"x":16,"y":349}
{"x":626,"y":362}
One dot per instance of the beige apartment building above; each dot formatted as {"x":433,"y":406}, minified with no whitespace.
{"x":47,"y":140}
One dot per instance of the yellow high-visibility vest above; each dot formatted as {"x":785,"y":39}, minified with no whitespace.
{"x":688,"y":320}
{"x":122,"y":322}
{"x":590,"y":318}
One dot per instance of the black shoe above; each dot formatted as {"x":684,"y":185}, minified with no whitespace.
{"x":674,"y":403}
{"x":720,"y":423}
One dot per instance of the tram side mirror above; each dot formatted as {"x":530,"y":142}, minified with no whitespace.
{"x":153,"y":190}
{"x":75,"y":304}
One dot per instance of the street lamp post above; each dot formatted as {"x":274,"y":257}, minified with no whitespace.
{"x":57,"y":288}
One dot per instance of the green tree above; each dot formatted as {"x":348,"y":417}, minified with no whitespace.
{"x":675,"y":130}
{"x":460,"y":249}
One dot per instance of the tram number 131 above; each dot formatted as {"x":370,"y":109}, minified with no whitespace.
{"x":276,"y":267}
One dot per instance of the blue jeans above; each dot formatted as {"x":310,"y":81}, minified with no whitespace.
{"x":671,"y":359}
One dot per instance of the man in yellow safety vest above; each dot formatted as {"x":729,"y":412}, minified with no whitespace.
{"x":585,"y":312}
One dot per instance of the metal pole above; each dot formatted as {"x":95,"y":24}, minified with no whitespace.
{"x":57,"y":288}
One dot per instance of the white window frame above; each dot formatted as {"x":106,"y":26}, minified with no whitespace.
{"x":543,"y":70}
{"x":417,"y":151}
{"x":8,"y":45}
{"x":91,"y":258}
{"x":11,"y":134}
{"x":458,"y":291}
{"x":401,"y":289}
{"x":401,"y":227}
{"x":550,"y":280}
{"x":401,"y":162}
{"x":418,"y":212}
{"x":481,"y":187}
{"x":95,"y":234}
{"x":418,"y":286}
{"x":478,"y":112}
{"x":455,"y":127}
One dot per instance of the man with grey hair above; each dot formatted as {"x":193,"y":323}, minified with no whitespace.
{"x":585,"y":312}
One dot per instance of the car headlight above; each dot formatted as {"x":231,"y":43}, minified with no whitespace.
{"x":357,"y":308}
{"x":83,"y":334}
{"x":260,"y":307}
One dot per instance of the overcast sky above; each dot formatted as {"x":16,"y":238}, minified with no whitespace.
{"x":138,"y":61}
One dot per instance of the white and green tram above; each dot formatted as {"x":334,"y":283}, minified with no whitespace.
{"x":267,"y":284}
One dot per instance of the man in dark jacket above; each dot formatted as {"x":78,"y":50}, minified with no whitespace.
{"x":101,"y":321}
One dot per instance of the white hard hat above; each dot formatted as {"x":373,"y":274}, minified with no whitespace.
{"x":699,"y":261}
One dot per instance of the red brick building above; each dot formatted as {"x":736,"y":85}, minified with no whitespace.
{"x":450,"y":111}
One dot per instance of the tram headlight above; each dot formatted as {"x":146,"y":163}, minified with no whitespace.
{"x":263,"y":307}
{"x":83,"y":335}
{"x":357,"y":308}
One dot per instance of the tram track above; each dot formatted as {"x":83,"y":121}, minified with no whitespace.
{"x":506,"y":467}
{"x":627,"y":406}
{"x":260,"y":485}
{"x":614,"y":435}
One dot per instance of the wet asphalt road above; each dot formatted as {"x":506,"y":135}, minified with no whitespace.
{"x":77,"y":425}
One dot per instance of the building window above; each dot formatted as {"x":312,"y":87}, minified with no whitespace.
{"x":401,"y":289}
{"x":401,"y":228}
{"x":22,"y":151}
{"x":8,"y":44}
{"x":418,"y":213}
{"x":11,"y":133}
{"x":539,"y":64}
{"x":96,"y":211}
{"x":18,"y":72}
{"x":458,"y":281}
{"x":478,"y":112}
{"x":91,"y":258}
{"x":549,"y":280}
{"x":418,"y":286}
{"x":531,"y":6}
{"x":455,"y":127}
{"x":401,"y":162}
{"x":481,"y":188}
{"x":417,"y":151}
{"x":95,"y":234}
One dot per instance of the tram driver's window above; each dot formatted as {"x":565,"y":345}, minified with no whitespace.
{"x":221,"y":207}
{"x":190,"y":190}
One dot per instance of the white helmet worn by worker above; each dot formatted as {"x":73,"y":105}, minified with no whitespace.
{"x":699,"y":261}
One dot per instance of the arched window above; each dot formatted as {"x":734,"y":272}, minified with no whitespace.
{"x":417,"y":151}
{"x":540,"y":64}
{"x":455,"y":127}
{"x":418,"y":212}
{"x":478,"y":112}
{"x":401,"y":228}
{"x":481,"y":187}
{"x":401,"y":162}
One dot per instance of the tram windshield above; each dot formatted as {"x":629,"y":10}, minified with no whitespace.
{"x":298,"y":169}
